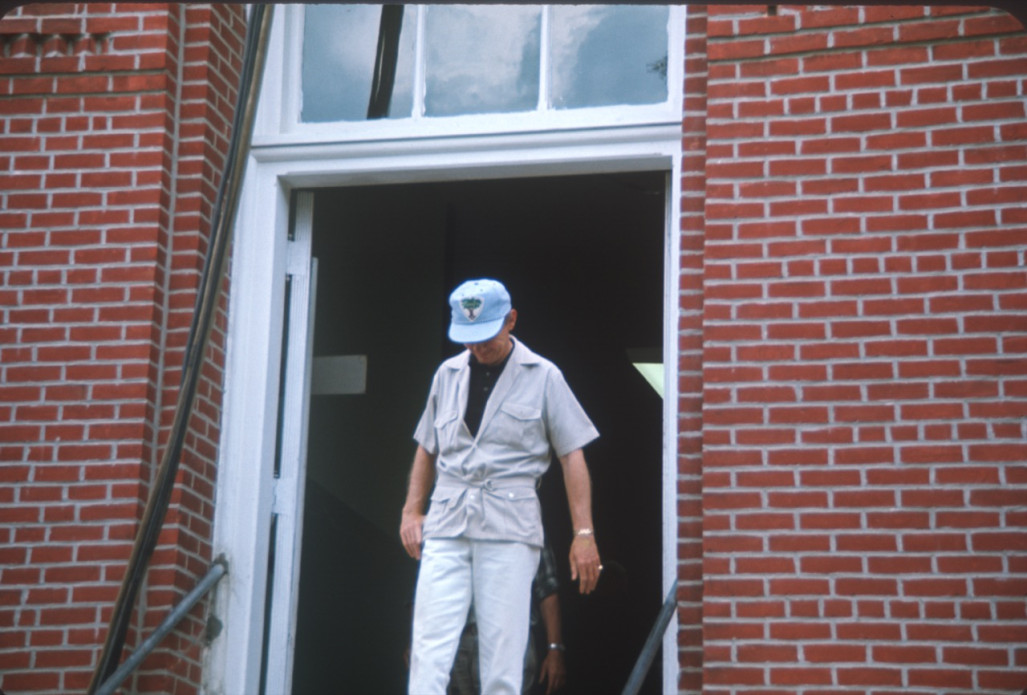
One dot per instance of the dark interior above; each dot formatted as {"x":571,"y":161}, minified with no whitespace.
{"x":582,"y":257}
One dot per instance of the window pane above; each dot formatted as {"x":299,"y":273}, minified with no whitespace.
{"x":339,"y":44}
{"x":481,"y":59}
{"x":603,"y":55}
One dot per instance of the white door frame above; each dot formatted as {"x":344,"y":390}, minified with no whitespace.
{"x":259,"y":264}
{"x":288,"y":487}
{"x":260,"y":261}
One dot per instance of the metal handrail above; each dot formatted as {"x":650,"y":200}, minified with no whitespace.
{"x":652,"y":643}
{"x":208,"y":295}
{"x":213,"y":576}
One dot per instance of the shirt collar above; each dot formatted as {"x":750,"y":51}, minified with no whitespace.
{"x":520,"y":355}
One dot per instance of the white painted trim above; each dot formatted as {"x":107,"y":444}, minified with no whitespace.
{"x":671,"y":316}
{"x":419,"y":47}
{"x":243,"y":511}
{"x":269,"y":112}
{"x":292,"y":94}
{"x":495,"y":156}
{"x":676,"y":60}
{"x":242,"y":515}
{"x":289,"y":487}
{"x":545,"y":61}
{"x":284,"y":126}
{"x":459,"y":126}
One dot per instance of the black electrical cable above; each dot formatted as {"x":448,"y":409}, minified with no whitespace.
{"x":208,"y":292}
{"x":386,"y":56}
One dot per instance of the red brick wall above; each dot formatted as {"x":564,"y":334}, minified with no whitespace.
{"x":115,"y":121}
{"x":865,"y":351}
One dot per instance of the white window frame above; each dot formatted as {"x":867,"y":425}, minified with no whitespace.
{"x":283,"y":124}
{"x":282,"y":161}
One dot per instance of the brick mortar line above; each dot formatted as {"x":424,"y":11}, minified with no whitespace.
{"x":865,"y":150}
{"x":863,"y":618}
{"x":839,"y":402}
{"x":861,"y":236}
{"x":842,"y":533}
{"x":890,"y":445}
{"x":930,"y":337}
{"x":734,"y":404}
{"x":760,"y":320}
{"x":110,"y":75}
{"x":858,"y":686}
{"x":861,"y":177}
{"x":829,"y":256}
{"x":846,"y":133}
{"x":859,"y":532}
{"x":857,"y":275}
{"x":870,"y":48}
{"x":860,"y":134}
{"x":835,"y":448}
{"x":828,"y":492}
{"x":897,"y":70}
{"x":894,"y":25}
{"x":861,"y":318}
{"x":853,"y":360}
{"x":861,"y":153}
{"x":899,"y":578}
{"x":868,"y":641}
{"x":983,"y":81}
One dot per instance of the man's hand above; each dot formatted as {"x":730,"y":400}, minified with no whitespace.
{"x":585,"y":564}
{"x":411,"y":525}
{"x":410,"y":533}
{"x":553,"y":671}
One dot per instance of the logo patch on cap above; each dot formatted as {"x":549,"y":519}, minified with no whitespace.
{"x":471,"y":306}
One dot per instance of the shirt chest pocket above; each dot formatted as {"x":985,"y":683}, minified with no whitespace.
{"x":447,"y":429}
{"x":518,"y":426}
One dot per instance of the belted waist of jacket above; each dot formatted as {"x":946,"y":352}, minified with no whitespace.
{"x":494,"y":508}
{"x":495,"y":483}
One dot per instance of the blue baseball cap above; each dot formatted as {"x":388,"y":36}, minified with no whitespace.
{"x":479,"y":310}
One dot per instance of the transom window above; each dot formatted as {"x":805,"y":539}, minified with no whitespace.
{"x":360,"y":63}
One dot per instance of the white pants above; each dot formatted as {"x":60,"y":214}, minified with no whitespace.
{"x":497,"y":576}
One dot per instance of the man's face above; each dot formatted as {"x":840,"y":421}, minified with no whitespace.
{"x":495,"y":349}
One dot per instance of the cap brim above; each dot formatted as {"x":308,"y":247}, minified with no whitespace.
{"x":475,"y":332}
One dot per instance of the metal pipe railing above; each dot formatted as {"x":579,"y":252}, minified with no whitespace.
{"x":213,"y":576}
{"x":207,"y":297}
{"x":652,"y":643}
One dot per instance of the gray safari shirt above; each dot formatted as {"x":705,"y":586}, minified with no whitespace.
{"x":485,"y":485}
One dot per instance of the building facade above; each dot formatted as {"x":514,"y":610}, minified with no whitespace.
{"x":818,"y":227}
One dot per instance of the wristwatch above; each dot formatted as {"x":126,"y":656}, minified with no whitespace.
{"x":557,"y":646}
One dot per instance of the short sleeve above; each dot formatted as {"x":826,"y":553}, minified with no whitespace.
{"x":424,"y":433}
{"x":568,"y":426}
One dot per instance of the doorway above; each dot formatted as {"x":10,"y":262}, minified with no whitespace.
{"x":582,"y":257}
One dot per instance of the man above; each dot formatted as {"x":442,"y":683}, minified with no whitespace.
{"x":465,"y":678}
{"x":494,"y":415}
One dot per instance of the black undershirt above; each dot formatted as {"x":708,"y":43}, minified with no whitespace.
{"x":483,"y":380}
